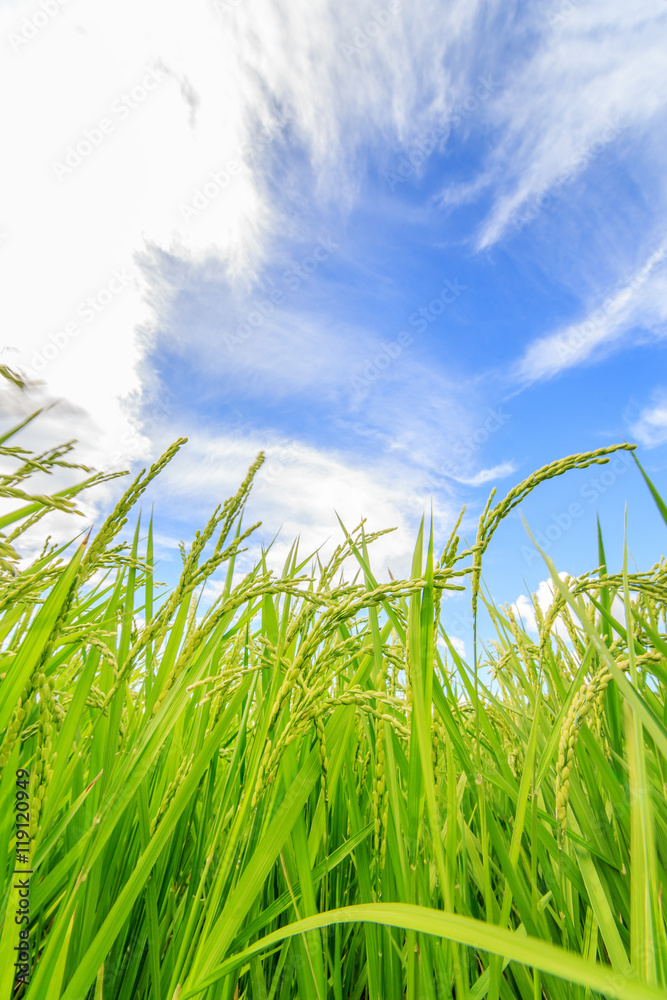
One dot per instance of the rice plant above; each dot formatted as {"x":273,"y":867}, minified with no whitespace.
{"x":292,"y":793}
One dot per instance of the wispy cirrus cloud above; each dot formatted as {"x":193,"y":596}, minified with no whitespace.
{"x":491,"y":475}
{"x":592,"y":80}
{"x":637,"y":308}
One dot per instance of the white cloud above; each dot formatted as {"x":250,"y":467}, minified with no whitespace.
{"x":128,"y":162}
{"x":145,"y":180}
{"x":638,"y":304}
{"x":618,"y":610}
{"x":651,"y":426}
{"x":60,"y":422}
{"x":595,"y":78}
{"x":459,"y":645}
{"x":488,"y":475}
{"x":523,"y":607}
{"x":297,"y":493}
{"x":383,"y":397}
{"x":592,"y":87}
{"x":73,"y":230}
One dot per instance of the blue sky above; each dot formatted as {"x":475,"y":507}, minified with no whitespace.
{"x":410,"y":251}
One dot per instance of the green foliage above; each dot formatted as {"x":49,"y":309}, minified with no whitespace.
{"x":294,"y":794}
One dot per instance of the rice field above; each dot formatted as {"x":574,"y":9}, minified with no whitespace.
{"x":294,"y":794}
